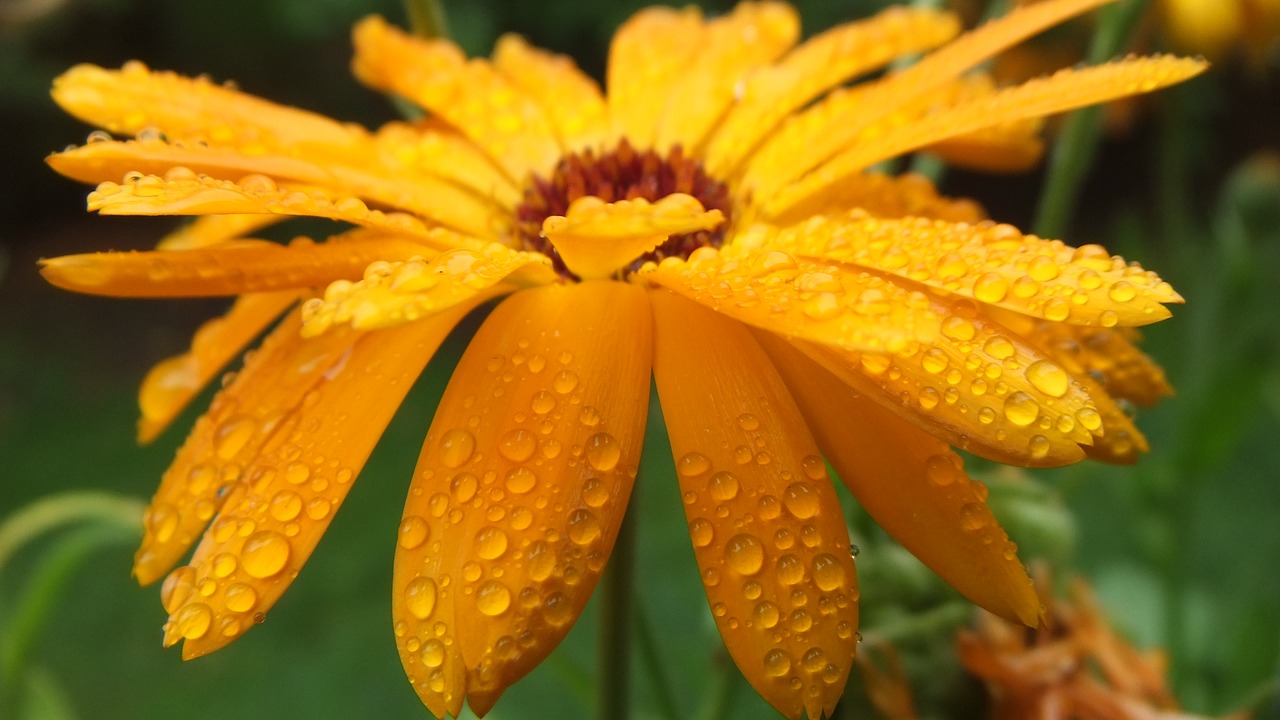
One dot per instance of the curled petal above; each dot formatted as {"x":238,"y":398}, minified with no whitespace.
{"x":291,"y":491}
{"x":650,"y":50}
{"x":571,"y":100}
{"x":802,"y":298}
{"x":400,"y":292}
{"x":520,"y":489}
{"x":231,"y":268}
{"x":993,"y":264}
{"x":173,"y":382}
{"x":912,"y":485}
{"x":766,"y":526}
{"x":595,"y":239}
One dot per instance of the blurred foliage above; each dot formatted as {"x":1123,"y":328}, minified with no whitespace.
{"x":1174,"y":544}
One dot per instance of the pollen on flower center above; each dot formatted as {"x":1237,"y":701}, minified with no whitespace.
{"x":623,"y":173}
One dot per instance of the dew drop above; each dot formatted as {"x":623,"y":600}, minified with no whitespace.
{"x":814,"y":659}
{"x":701,"y":532}
{"x":232,"y":436}
{"x":1021,"y":409}
{"x":1122,"y":291}
{"x":602,"y":452}
{"x":493,"y":598}
{"x":827,"y":572}
{"x":433,"y":652}
{"x":999,"y":347}
{"x":972,"y":517}
{"x":520,"y":479}
{"x":583,"y":527}
{"x":285,"y":505}
{"x":557,"y":609}
{"x":564,"y":382}
{"x":594,"y":493}
{"x":265,"y":554}
{"x":941,"y":470}
{"x":491,"y":543}
{"x":162,"y":521}
{"x":240,"y":598}
{"x":990,"y":288}
{"x":723,"y":486}
{"x":814,"y":468}
{"x":413,"y":532}
{"x":541,"y":561}
{"x":777,"y":663}
{"x":456,"y":447}
{"x":177,"y":587}
{"x":297,"y":473}
{"x":744,"y":554}
{"x":224,"y":564}
{"x":192,"y":621}
{"x":319,"y":508}
{"x":801,"y":500}
{"x":1048,"y":378}
{"x":790,"y":569}
{"x":692,"y":464}
{"x":1039,"y":446}
{"x":518,"y":445}
{"x":543,"y":402}
{"x":765,"y":614}
{"x":934,"y":360}
{"x":463,"y":486}
{"x":420,"y":597}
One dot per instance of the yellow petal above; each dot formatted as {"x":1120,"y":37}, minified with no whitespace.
{"x":571,"y":100}
{"x":470,"y":95}
{"x":766,"y":526}
{"x":135,"y":99}
{"x":268,"y":528}
{"x":213,"y":229}
{"x":173,"y":382}
{"x":797,"y":297}
{"x":107,"y":162}
{"x":520,"y":489}
{"x":1121,"y":442}
{"x":244,"y":415}
{"x":1127,"y":372}
{"x":649,"y":51}
{"x":1065,"y":90}
{"x":1007,"y":148}
{"x":231,"y":268}
{"x":752,"y":35}
{"x":889,"y":196}
{"x":399,"y":292}
{"x":993,"y":264}
{"x":825,"y":60}
{"x":431,"y":147}
{"x":596,"y":239}
{"x":912,"y":485}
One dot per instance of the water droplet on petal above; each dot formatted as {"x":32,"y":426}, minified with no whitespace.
{"x":602,"y":452}
{"x":493,"y":598}
{"x":801,"y":500}
{"x":456,"y":447}
{"x":265,"y":554}
{"x":413,"y":532}
{"x":583,"y":527}
{"x":556,"y":609}
{"x":777,"y":663}
{"x":520,"y":479}
{"x":1048,"y":378}
{"x":723,"y":486}
{"x":701,"y":532}
{"x":1021,"y":409}
{"x":240,"y":598}
{"x":692,"y":464}
{"x":744,"y":554}
{"x":420,"y":597}
{"x":193,"y":621}
{"x":518,"y":445}
{"x":490,"y":543}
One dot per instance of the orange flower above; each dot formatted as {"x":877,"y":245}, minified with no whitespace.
{"x":710,"y":220}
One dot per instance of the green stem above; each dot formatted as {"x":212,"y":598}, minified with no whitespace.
{"x":614,"y":700}
{"x":652,"y":662}
{"x":936,"y":622}
{"x":1077,"y":144}
{"x":427,"y":18}
{"x":50,"y":513}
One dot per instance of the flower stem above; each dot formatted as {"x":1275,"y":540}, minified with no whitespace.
{"x":427,"y":18}
{"x":1077,"y":144}
{"x":614,"y":700}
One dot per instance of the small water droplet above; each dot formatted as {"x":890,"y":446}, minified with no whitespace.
{"x":777,"y":663}
{"x":692,"y":464}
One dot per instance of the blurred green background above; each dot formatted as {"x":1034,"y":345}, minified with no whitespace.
{"x":1184,"y":548}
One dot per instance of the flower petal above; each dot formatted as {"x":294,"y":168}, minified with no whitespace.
{"x":650,"y":50}
{"x":431,"y":147}
{"x":799,"y":297}
{"x":766,"y":525}
{"x":912,"y":485}
{"x":213,"y":229}
{"x":991,"y":263}
{"x":888,"y":196}
{"x":520,"y":490}
{"x":753,"y":34}
{"x":571,"y":100}
{"x":1127,"y":372}
{"x":231,"y":268}
{"x":596,"y":238}
{"x":1065,"y":90}
{"x":269,"y":526}
{"x":173,"y":382}
{"x":825,"y":60}
{"x":470,"y":95}
{"x":399,"y":292}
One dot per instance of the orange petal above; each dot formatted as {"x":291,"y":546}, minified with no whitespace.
{"x":470,"y":95}
{"x":820,"y":63}
{"x":571,"y":100}
{"x":134,"y":99}
{"x":990,"y":263}
{"x":244,"y":415}
{"x":213,"y":229}
{"x":292,"y":489}
{"x":173,"y":382}
{"x":397,"y":187}
{"x":649,"y":51}
{"x":731,"y":47}
{"x":520,"y":489}
{"x":232,"y":268}
{"x":395,"y":293}
{"x":1127,"y":373}
{"x":596,"y":239}
{"x":1006,"y":148}
{"x":766,"y":525}
{"x":799,"y":297}
{"x":431,"y":147}
{"x":912,"y":485}
{"x":1065,"y":90}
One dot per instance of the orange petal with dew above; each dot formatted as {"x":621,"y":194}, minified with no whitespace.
{"x":399,"y":292}
{"x":889,"y":196}
{"x":213,"y":229}
{"x":596,"y":239}
{"x":1127,"y":373}
{"x":232,"y":268}
{"x":731,"y":47}
{"x":520,"y":489}
{"x":1065,"y":90}
{"x":650,"y":50}
{"x":297,"y":480}
{"x":172,"y":383}
{"x":135,"y":99}
{"x":429,"y":146}
{"x":766,"y":526}
{"x":470,"y":95}
{"x":991,"y":263}
{"x":244,"y":415}
{"x":912,"y":485}
{"x":820,"y":63}
{"x":571,"y":100}
{"x":802,"y":298}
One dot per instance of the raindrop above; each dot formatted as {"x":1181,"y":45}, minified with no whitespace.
{"x":777,"y":662}
{"x":413,"y":532}
{"x":493,"y":598}
{"x":265,"y":554}
{"x":285,"y":505}
{"x":765,"y":614}
{"x":790,"y":570}
{"x":456,"y":447}
{"x":491,"y":543}
{"x":692,"y":464}
{"x":972,"y":516}
{"x":564,"y":382}
{"x":520,"y":479}
{"x":602,"y":452}
{"x":420,"y":597}
{"x":464,"y":486}
{"x":583,"y":527}
{"x":1021,"y":409}
{"x":701,"y":532}
{"x":557,"y":609}
{"x":541,"y":561}
{"x":518,"y":445}
{"x":744,"y":554}
{"x":723,"y":486}
{"x":1048,"y":378}
{"x":827,"y":572}
{"x":193,"y":621}
{"x":432,"y":653}
{"x":240,"y":598}
{"x":801,"y":500}
{"x":594,"y":493}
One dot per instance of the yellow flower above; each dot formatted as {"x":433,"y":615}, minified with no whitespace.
{"x":712,"y":221}
{"x":1218,"y":28}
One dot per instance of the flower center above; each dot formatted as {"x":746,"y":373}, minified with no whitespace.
{"x":623,"y":173}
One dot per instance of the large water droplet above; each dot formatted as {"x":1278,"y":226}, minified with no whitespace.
{"x":941,"y":469}
{"x":692,"y":464}
{"x":777,"y":663}
{"x":701,"y":532}
{"x":744,"y":554}
{"x":162,"y":520}
{"x":1021,"y":409}
{"x":493,"y":598}
{"x":602,"y":452}
{"x":520,"y":479}
{"x":233,"y":435}
{"x":828,"y":574}
{"x":463,"y":486}
{"x":765,"y":614}
{"x":420,"y":597}
{"x":456,"y":447}
{"x":790,"y":569}
{"x":564,"y":382}
{"x":723,"y":486}
{"x":491,"y":543}
{"x":801,"y":500}
{"x":285,"y":505}
{"x":240,"y":598}
{"x":543,"y":402}
{"x":192,"y":621}
{"x":1048,"y":378}
{"x":177,"y":587}
{"x":556,"y":609}
{"x":973,"y":516}
{"x":433,"y":652}
{"x":541,"y":560}
{"x":265,"y":554}
{"x":583,"y":527}
{"x":518,"y":445}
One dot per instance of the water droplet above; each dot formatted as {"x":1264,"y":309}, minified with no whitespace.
{"x":999,"y":347}
{"x":413,"y":532}
{"x":814,"y":659}
{"x":751,"y":590}
{"x":240,"y":598}
{"x":521,"y":518}
{"x":784,"y":539}
{"x":297,"y":473}
{"x":602,"y":452}
{"x":1089,"y":418}
{"x":1057,"y":309}
{"x":973,"y":516}
{"x":790,"y":570}
{"x":748,"y":422}
{"x":224,"y":564}
{"x":541,"y":561}
{"x":285,"y":505}
{"x":801,"y":500}
{"x":744,"y":554}
{"x":827,"y":572}
{"x":193,"y":621}
{"x":543,"y":402}
{"x":723,"y":486}
{"x":491,"y":543}
{"x":594,"y":493}
{"x":493,"y":598}
{"x":162,"y":521}
{"x":463,"y":486}
{"x":692,"y":465}
{"x":1039,"y":446}
{"x":583,"y":527}
{"x":1021,"y":409}
{"x":958,"y":328}
{"x":934,"y":360}
{"x":990,"y":288}
{"x":777,"y":663}
{"x":1048,"y":378}
{"x":556,"y":609}
{"x":564,"y":382}
{"x":433,"y":652}
{"x":518,"y":445}
{"x":942,"y":470}
{"x":1042,"y":268}
{"x":701,"y":532}
{"x":232,"y":436}
{"x":319,"y":508}
{"x":520,"y":479}
{"x":765,"y":614}
{"x":1122,"y":291}
{"x":456,"y":447}
{"x":420,"y":597}
{"x":265,"y":554}
{"x":177,"y":588}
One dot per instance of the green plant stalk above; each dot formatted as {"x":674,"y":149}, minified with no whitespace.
{"x":614,"y":699}
{"x":427,"y":18}
{"x":652,"y":663}
{"x":50,"y":513}
{"x":1077,"y":145}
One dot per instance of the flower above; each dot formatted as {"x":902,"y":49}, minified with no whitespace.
{"x":712,"y":221}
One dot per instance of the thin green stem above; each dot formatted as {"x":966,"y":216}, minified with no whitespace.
{"x":50,"y":513}
{"x":1077,"y":144}
{"x":652,"y":662}
{"x":614,"y":701}
{"x":427,"y":18}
